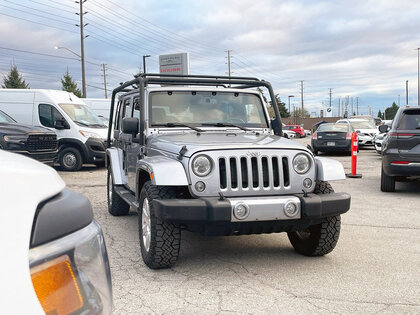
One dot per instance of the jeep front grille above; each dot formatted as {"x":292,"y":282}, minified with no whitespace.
{"x":253,"y":173}
{"x":41,"y":142}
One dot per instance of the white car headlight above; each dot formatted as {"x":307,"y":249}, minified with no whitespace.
{"x":89,"y":134}
{"x":202,"y":165}
{"x":301,"y":163}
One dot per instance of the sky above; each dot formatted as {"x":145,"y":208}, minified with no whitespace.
{"x":363,"y":50}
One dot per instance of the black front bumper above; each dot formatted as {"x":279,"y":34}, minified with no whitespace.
{"x":208,"y":213}
{"x":95,"y":150}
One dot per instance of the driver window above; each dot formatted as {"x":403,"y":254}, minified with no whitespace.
{"x":48,"y":115}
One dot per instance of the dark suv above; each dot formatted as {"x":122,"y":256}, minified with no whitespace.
{"x":36,"y":142}
{"x":401,"y":147}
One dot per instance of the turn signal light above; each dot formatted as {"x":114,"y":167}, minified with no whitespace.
{"x":315,"y":136}
{"x":56,"y":286}
{"x":348,"y":136}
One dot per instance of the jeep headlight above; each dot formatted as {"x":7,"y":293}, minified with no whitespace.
{"x":202,"y":165}
{"x":301,"y":163}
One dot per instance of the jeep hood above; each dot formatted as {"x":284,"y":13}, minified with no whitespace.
{"x":219,"y":141}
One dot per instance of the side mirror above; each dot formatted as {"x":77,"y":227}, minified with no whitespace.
{"x":130,"y":125}
{"x":383,"y":128}
{"x":60,"y":124}
{"x":276,"y":125}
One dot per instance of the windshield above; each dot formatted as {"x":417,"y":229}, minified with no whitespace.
{"x":410,"y":120}
{"x":362,"y":124}
{"x":202,"y":108}
{"x":6,"y":118}
{"x":82,"y":115}
{"x":333,"y":127}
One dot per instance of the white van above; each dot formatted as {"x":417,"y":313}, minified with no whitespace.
{"x":81,"y":134}
{"x":100,"y":106}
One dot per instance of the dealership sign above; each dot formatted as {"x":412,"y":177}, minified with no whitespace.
{"x":174,"y":63}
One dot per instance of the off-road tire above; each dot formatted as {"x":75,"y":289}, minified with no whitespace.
{"x":71,"y":153}
{"x":116,"y":205}
{"x":319,"y":239}
{"x":165,"y":236}
{"x":387,"y":182}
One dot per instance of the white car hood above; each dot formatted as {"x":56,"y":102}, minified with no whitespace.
{"x":370,"y":131}
{"x":24,"y":184}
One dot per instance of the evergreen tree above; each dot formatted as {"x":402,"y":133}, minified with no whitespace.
{"x":13,"y":80}
{"x":380,"y":115}
{"x":391,"y":111}
{"x":69,"y":85}
{"x":282,"y":108}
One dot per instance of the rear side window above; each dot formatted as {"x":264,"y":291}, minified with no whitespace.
{"x":48,"y":115}
{"x":410,"y":120}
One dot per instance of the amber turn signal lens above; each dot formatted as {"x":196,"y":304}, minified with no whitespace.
{"x":56,"y":286}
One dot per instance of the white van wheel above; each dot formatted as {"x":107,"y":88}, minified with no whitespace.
{"x":70,"y":159}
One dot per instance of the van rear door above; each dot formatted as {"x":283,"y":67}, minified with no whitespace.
{"x":408,"y":134}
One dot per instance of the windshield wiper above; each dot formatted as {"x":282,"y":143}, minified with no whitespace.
{"x":171,"y":125}
{"x":225,"y":125}
{"x":81,"y":123}
{"x":97,"y":125}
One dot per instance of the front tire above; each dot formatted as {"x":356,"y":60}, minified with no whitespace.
{"x":70,"y":159}
{"x":319,"y":239}
{"x":387,"y":182}
{"x":116,"y":205}
{"x":159,"y":240}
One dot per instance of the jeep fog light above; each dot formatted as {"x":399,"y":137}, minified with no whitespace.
{"x":290,"y":209}
{"x":200,"y":186}
{"x":241,"y":211}
{"x":307,"y":182}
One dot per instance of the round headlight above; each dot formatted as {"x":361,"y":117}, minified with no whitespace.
{"x":201,"y":165}
{"x":301,"y":163}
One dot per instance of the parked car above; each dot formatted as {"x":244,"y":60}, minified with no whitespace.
{"x":366,"y":131}
{"x":376,"y":121}
{"x":36,"y":142}
{"x":300,"y":132}
{"x":307,"y":132}
{"x":289,"y":134}
{"x":332,"y":138}
{"x":401,"y":147}
{"x":54,"y":259}
{"x":81,"y":134}
{"x":196,"y":157}
{"x":377,"y":141}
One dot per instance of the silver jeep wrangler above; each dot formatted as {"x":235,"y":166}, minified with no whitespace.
{"x":201,"y":153}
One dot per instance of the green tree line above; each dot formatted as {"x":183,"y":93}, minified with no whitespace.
{"x":14,"y":80}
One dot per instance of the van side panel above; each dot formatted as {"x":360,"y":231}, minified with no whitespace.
{"x":18,"y":105}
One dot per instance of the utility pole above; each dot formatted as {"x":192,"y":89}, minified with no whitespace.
{"x":104,"y":69}
{"x":418,"y":76}
{"x":406,"y":92}
{"x":357,"y":105}
{"x":399,"y":100}
{"x":330,"y":96}
{"x":352,"y":111}
{"x":346,"y":111}
{"x":228,"y":61}
{"x":301,"y":94}
{"x":144,"y":62}
{"x":289,"y":102}
{"x":82,"y":46}
{"x":339,"y":107}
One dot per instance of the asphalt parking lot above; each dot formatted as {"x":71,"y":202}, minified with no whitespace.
{"x":374,"y":268}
